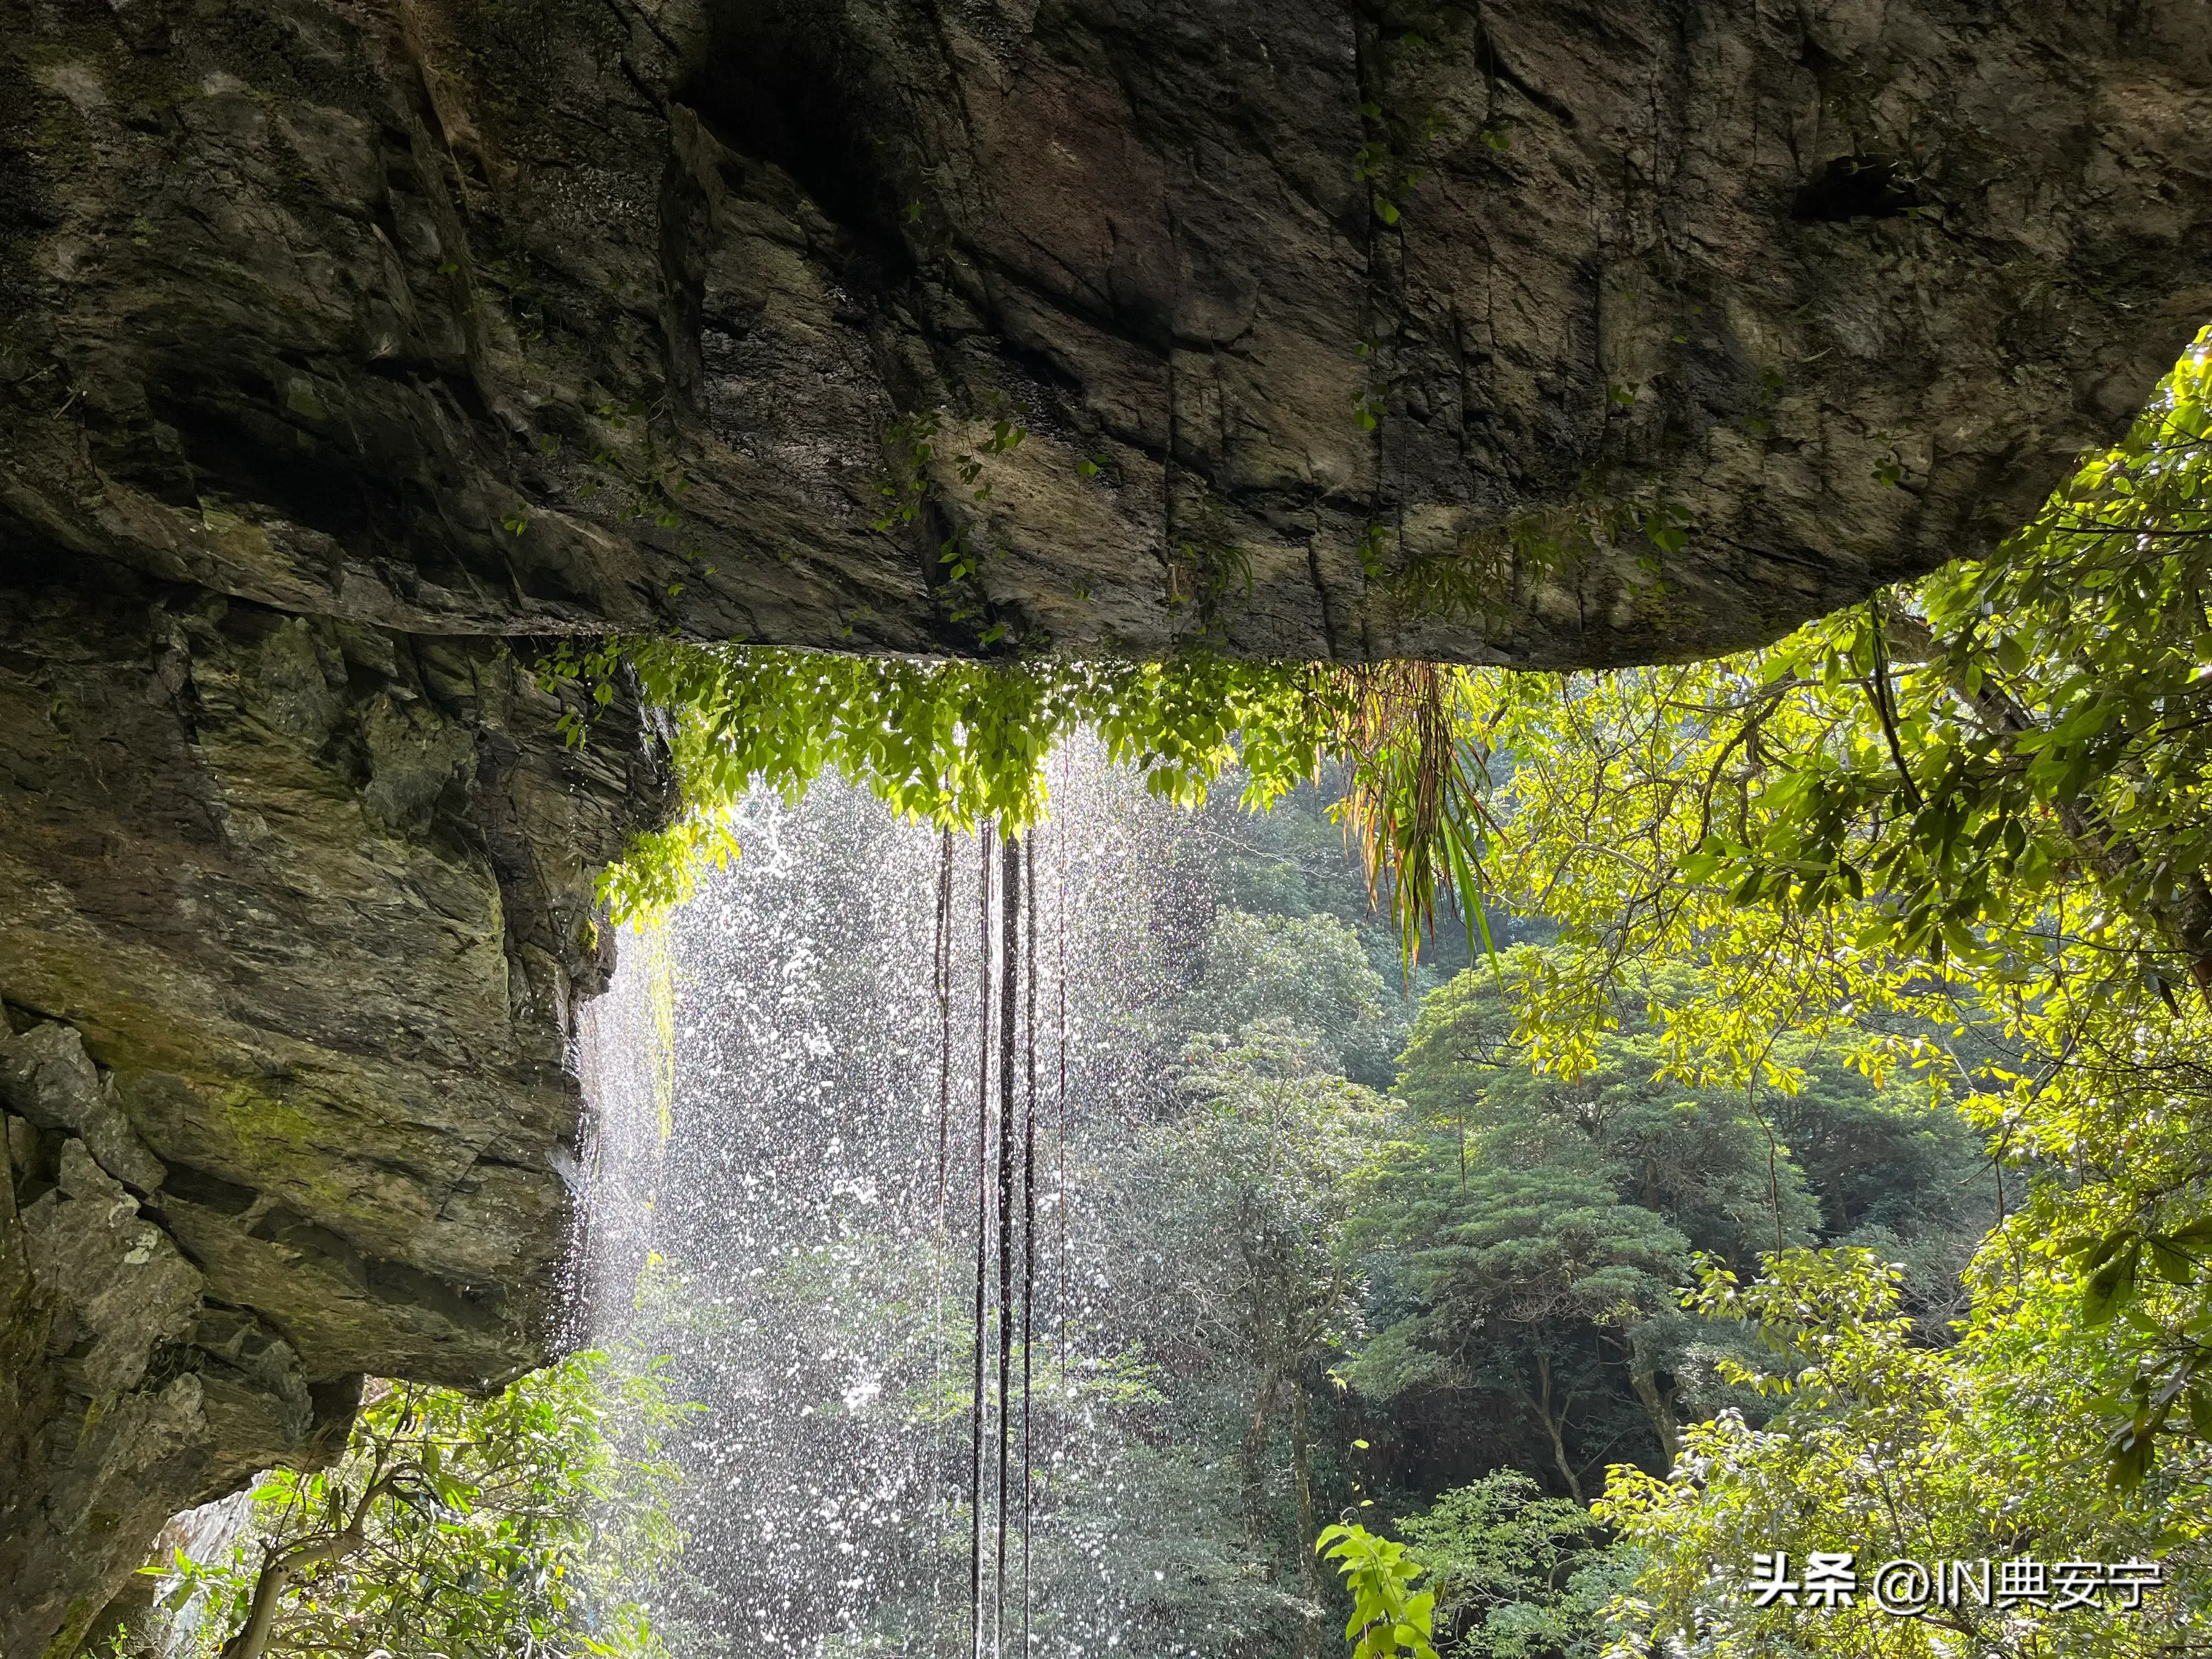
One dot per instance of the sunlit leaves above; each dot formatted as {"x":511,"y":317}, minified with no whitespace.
{"x":469,"y":1529}
{"x":1963,"y":835}
{"x":1389,"y":1617}
{"x":956,"y":743}
{"x":2112,"y":1282}
{"x":1894,"y":1451}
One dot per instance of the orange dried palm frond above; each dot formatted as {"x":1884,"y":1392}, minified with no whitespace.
{"x":1414,"y":805}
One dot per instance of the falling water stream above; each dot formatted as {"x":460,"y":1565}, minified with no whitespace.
{"x":809,"y":1107}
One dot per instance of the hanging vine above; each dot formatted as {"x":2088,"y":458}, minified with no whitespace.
{"x":1059,"y":1178}
{"x":982,"y":1243}
{"x":1029,"y":1223}
{"x":943,"y":982}
{"x":914,"y":495}
{"x":1009,"y":967}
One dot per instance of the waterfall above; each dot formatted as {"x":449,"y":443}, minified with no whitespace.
{"x":764,"y":1206}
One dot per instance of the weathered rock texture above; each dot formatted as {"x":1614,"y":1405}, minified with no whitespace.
{"x":406,"y":312}
{"x":292,"y":913}
{"x":341,"y":339}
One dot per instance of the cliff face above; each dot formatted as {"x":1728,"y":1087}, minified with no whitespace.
{"x":552,"y":314}
{"x":341,"y":341}
{"x":292,"y":913}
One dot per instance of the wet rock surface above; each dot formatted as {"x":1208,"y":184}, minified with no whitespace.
{"x":349,"y":352}
{"x":131,"y":1395}
{"x":293,"y":914}
{"x":563,"y":316}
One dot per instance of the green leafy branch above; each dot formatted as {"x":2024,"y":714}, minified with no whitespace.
{"x":2174,"y":1367}
{"x":655,"y":483}
{"x":1376,"y":165}
{"x":1379,"y":162}
{"x":1389,"y":1617}
{"x":910,"y":486}
{"x":512,"y":1524}
{"x":594,"y":670}
{"x":956,"y":742}
{"x":1206,"y":565}
{"x":642,"y":471}
{"x":1373,"y":550}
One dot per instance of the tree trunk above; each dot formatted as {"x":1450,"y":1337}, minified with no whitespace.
{"x":2184,"y":917}
{"x":1658,"y":1403}
{"x":1554,"y":1425}
{"x":1256,"y":1434}
{"x":280,"y":1567}
{"x":251,"y":1639}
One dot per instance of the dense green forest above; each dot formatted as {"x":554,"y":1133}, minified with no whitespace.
{"x":1803,"y":1153}
{"x":1381,"y":1268}
{"x":1450,"y":1294}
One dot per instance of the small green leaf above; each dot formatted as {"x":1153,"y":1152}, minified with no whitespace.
{"x":2175,"y":1267}
{"x":2200,"y":1409}
{"x":2130,"y":1462}
{"x":2103,"y":1251}
{"x":2110,"y":1287}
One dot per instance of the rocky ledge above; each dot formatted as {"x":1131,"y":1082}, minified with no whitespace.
{"x":1555,"y":335}
{"x":293,"y":915}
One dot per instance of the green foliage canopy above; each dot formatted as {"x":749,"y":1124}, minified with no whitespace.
{"x":1311,"y":970}
{"x":953,"y":743}
{"x":1516,"y":1574}
{"x":467,"y":1528}
{"x":1962,"y":833}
